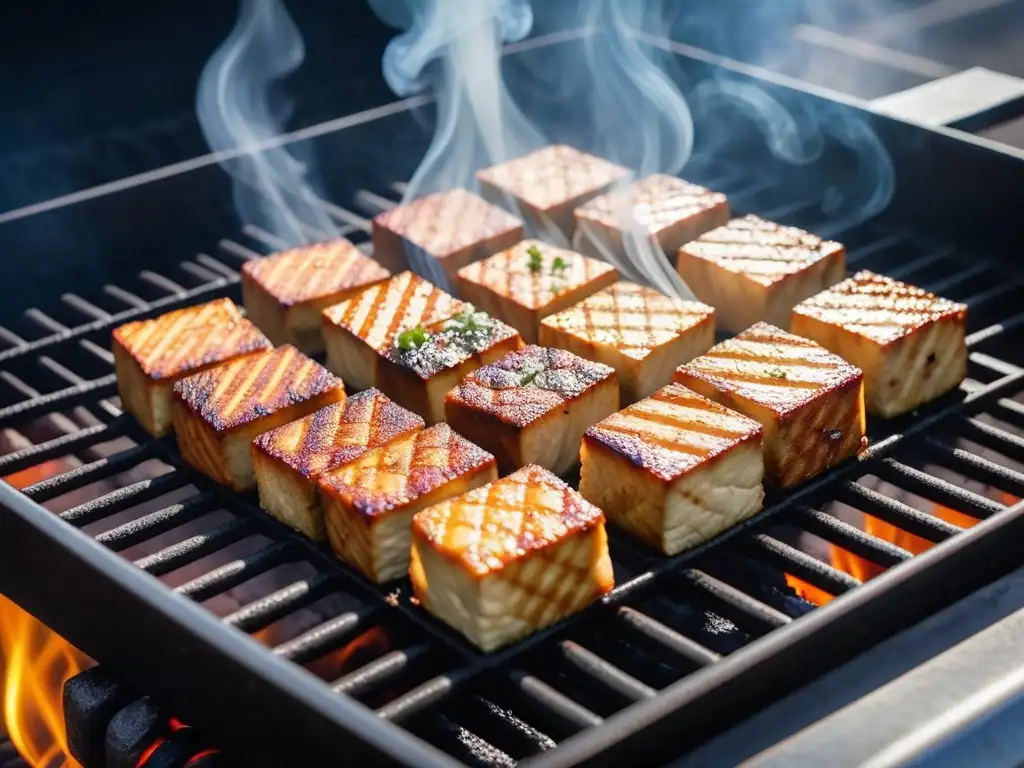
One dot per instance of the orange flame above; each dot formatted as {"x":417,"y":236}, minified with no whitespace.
{"x":35,"y":663}
{"x":329,"y":667}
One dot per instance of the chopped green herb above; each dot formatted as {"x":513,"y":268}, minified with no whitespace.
{"x":468,"y":320}
{"x":536,"y":258}
{"x":559,"y":264}
{"x":414,"y":338}
{"x":777,"y":374}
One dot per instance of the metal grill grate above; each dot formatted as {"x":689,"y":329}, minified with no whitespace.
{"x":667,"y":620}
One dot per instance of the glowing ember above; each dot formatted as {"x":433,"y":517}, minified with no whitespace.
{"x":373,"y":642}
{"x":34,"y":665}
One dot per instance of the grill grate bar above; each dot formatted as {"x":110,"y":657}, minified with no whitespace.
{"x":571,"y":715}
{"x":897,"y":513}
{"x":905,"y":270}
{"x":238,"y":250}
{"x":87,"y":308}
{"x":270,"y":240}
{"x":977,"y":467}
{"x":326,"y":637}
{"x":422,"y":697}
{"x":940,"y":287}
{"x":379,"y":671}
{"x":993,"y":437}
{"x":1001,"y":367}
{"x":78,"y":477}
{"x":800,"y":564}
{"x":484,"y":716}
{"x":148,"y":526}
{"x":216,"y":266}
{"x":120,"y":499}
{"x":983,"y":297}
{"x":62,"y":399}
{"x":229,"y":575}
{"x":126,"y":297}
{"x":667,"y":637}
{"x":199,"y":271}
{"x":163,"y":283}
{"x":265,"y":611}
{"x":851,"y":538}
{"x":43,"y":320}
{"x":11,"y":337}
{"x":938,"y":490}
{"x":604,"y":672}
{"x":735,"y":604}
{"x":978,"y":337}
{"x":58,"y":446}
{"x":188,"y":551}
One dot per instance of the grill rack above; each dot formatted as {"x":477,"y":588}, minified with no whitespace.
{"x":446,"y":702}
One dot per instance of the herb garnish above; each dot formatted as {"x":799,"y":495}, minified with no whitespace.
{"x":414,"y":338}
{"x":559,"y":265}
{"x":469,"y":320}
{"x":777,"y":374}
{"x":536,"y":258}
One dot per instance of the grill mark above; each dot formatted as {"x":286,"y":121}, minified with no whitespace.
{"x":732,"y":375}
{"x":652,"y":438}
{"x":724,"y":352}
{"x":692,"y":425}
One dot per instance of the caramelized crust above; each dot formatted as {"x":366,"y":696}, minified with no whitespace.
{"x":447,"y":349}
{"x":324,"y":271}
{"x":247,"y":390}
{"x":187,"y":340}
{"x":514,"y":518}
{"x":673,"y":432}
{"x":810,"y":401}
{"x":552,"y":176}
{"x":338,"y":434}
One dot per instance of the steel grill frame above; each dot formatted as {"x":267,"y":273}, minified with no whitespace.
{"x":302,"y":719}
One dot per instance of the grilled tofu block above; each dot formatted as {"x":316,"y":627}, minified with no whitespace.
{"x":218,"y":413}
{"x":285,"y":293}
{"x":533,"y":406}
{"x":150,"y":355}
{"x":667,"y":209}
{"x":356,"y":331}
{"x":450,"y":229}
{"x":675,"y":470}
{"x":508,"y":559}
{"x":369,"y":503}
{"x":289,"y":460}
{"x":909,"y":343}
{"x":420,"y":373}
{"x":810,"y":402}
{"x":531,"y":281}
{"x":752,"y":269}
{"x":546,"y":186}
{"x":641,"y":333}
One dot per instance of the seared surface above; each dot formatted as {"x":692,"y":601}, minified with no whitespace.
{"x":527,"y":384}
{"x":380,"y":312}
{"x":252,"y":388}
{"x":389,"y":478}
{"x":514,"y":518}
{"x":189,"y":339}
{"x":447,"y":348}
{"x":673,"y":432}
{"x":552,"y":176}
{"x":446,"y":222}
{"x":314,"y":272}
{"x":339,"y":433}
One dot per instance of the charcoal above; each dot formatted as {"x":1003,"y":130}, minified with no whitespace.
{"x":91,"y":699}
{"x":132,"y":731}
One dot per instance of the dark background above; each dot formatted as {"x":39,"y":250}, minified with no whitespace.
{"x":92,"y":92}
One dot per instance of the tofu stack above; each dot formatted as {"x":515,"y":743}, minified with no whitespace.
{"x":751,"y":270}
{"x":510,"y":558}
{"x":533,"y":406}
{"x":530,"y":281}
{"x":285,"y":293}
{"x":218,"y":413}
{"x":151,"y":355}
{"x":288,"y":461}
{"x":909,"y":343}
{"x":641,"y":333}
{"x":668,"y":210}
{"x":547,"y":185}
{"x":674,"y":470}
{"x":447,"y":230}
{"x":358,"y":330}
{"x":369,"y":503}
{"x":809,"y":401}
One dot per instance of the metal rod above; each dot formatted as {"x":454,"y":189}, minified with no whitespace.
{"x":736,"y":605}
{"x":938,"y":490}
{"x":851,"y":538}
{"x":379,"y":671}
{"x":800,"y":564}
{"x":78,"y":477}
{"x":121,"y":499}
{"x":667,"y":637}
{"x":161,"y":282}
{"x":265,"y":611}
{"x":87,"y":308}
{"x":188,"y":551}
{"x":319,"y":640}
{"x":604,"y":672}
{"x":897,"y":513}
{"x":977,"y":467}
{"x":60,"y":400}
{"x":570,"y":713}
{"x":424,"y":696}
{"x":229,"y":575}
{"x":64,"y":445}
{"x":149,"y":526}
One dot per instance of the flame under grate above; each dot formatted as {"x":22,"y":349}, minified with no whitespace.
{"x":667,"y":618}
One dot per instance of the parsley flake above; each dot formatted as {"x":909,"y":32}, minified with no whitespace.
{"x":777,"y":373}
{"x":559,"y":265}
{"x":414,"y":338}
{"x":536,"y":261}
{"x":469,"y":320}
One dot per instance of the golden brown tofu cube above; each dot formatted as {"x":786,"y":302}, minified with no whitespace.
{"x":546,"y":186}
{"x":423,"y":365}
{"x":369,"y":503}
{"x":510,"y":558}
{"x":531,"y":281}
{"x":641,"y":333}
{"x":533,"y":406}
{"x":675,"y":470}
{"x":752,"y":269}
{"x":289,"y":460}
{"x":285,"y":293}
{"x":909,"y":343}
{"x":449,"y":229}
{"x":666,"y":209}
{"x":151,"y":355}
{"x":357,"y":330}
{"x":809,"y":401}
{"x":218,"y":413}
